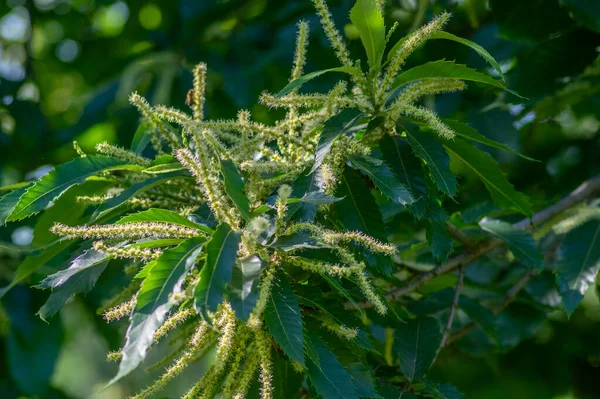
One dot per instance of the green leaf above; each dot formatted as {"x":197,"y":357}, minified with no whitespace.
{"x":440,"y":242}
{"x":67,"y":209}
{"x":52,"y":185}
{"x":243,"y":289}
{"x":284,"y":320}
{"x":383,"y":177}
{"x":295,"y":241}
{"x":297,"y":83}
{"x":407,"y":167}
{"x":578,"y":263}
{"x":164,"y":168}
{"x":326,"y":373}
{"x":436,"y":158}
{"x":163,"y":216}
{"x":286,"y":380}
{"x":416,"y":344}
{"x":303,"y":211}
{"x":480,"y":50}
{"x":446,"y":69}
{"x":234,"y":187}
{"x":487,"y":169}
{"x":9,"y":201}
{"x":466,"y":131}
{"x":221,"y":252}
{"x":130,"y":192}
{"x":359,"y":211}
{"x":80,"y":277}
{"x":441,"y":391}
{"x":332,"y":129}
{"x":367,"y":19}
{"x":154,"y":301}
{"x":520,"y":242}
{"x":315,"y":197}
{"x":141,"y":138}
{"x":34,"y":262}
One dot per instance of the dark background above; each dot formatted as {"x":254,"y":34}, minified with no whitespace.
{"x":68,"y":66}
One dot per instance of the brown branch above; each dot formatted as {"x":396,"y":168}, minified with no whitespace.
{"x":580,"y":194}
{"x":459,"y":284}
{"x":510,"y":296}
{"x":459,"y":235}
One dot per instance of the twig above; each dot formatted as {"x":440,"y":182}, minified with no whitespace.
{"x":580,"y":194}
{"x":459,"y":284}
{"x":510,"y":296}
{"x":459,"y":236}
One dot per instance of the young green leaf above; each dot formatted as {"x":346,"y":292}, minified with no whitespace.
{"x":446,"y":69}
{"x":326,"y":373}
{"x":480,"y":50}
{"x":243,"y":289}
{"x":221,"y":252}
{"x":487,"y":169}
{"x":332,"y":129}
{"x":520,"y":242}
{"x":80,"y":277}
{"x":367,"y":19}
{"x":154,"y":301}
{"x":407,"y":167}
{"x":234,"y":187}
{"x":578,"y":263}
{"x":284,"y":320}
{"x":436,"y":158}
{"x":52,"y":185}
{"x":297,"y":83}
{"x":416,"y":344}
{"x":383,"y":177}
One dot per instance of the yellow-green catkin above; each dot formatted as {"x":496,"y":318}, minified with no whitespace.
{"x":263,"y":344}
{"x":332,"y":33}
{"x":122,"y":310}
{"x":126,"y":230}
{"x":198,"y":95}
{"x":255,"y":320}
{"x":413,"y":41}
{"x":149,"y":114}
{"x":123,"y":154}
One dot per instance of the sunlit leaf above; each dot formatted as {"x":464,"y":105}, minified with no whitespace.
{"x":234,"y":187}
{"x":243,"y":289}
{"x":368,"y":20}
{"x":154,"y":301}
{"x":52,"y":185}
{"x":221,"y":252}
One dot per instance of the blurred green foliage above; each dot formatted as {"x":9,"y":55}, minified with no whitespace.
{"x":67,"y":67}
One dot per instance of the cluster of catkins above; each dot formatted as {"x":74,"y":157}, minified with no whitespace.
{"x":271,"y":158}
